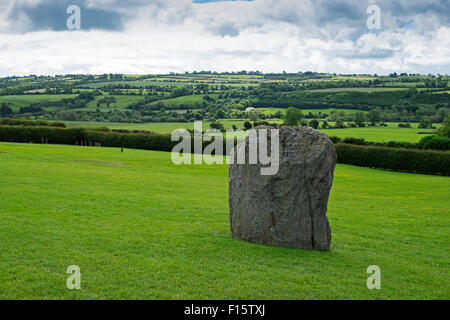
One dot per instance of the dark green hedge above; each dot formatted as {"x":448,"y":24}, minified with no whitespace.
{"x":435,"y":143}
{"x":395,"y":159}
{"x":90,"y":137}
{"x":402,"y":160}
{"x":36,"y":123}
{"x":38,"y":134}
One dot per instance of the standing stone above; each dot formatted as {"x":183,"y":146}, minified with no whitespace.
{"x":287,"y":209}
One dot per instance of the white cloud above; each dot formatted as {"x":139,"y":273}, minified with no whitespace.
{"x":266,"y":35}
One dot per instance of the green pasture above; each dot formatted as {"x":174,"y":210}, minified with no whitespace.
{"x":18,"y":101}
{"x":270,"y":111}
{"x":371,"y":89}
{"x":122,"y":101}
{"x":140,"y":227}
{"x":186,"y":100}
{"x":374,"y":134}
{"x":382,"y":134}
{"x":167,"y":127}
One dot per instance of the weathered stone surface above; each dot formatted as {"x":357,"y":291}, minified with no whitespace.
{"x":287,"y":209}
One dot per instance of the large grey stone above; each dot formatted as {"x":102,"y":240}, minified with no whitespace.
{"x":287,"y":209}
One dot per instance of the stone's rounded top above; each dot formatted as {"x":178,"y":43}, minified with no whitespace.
{"x":301,"y":144}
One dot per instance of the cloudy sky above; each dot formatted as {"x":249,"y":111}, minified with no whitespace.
{"x":162,"y":36}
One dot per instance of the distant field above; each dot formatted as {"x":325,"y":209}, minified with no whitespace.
{"x":372,"y":89}
{"x":131,"y":83}
{"x":187,"y":100}
{"x":123,"y":101}
{"x":377,"y":134}
{"x":403,"y":84}
{"x":25,"y":100}
{"x":169,"y":82}
{"x":380,"y":134}
{"x":441,"y":92}
{"x":155,"y":127}
{"x":313,"y":111}
{"x":140,"y":227}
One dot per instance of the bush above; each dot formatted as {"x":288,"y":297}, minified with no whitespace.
{"x":435,"y":143}
{"x":402,"y":160}
{"x":261,"y":123}
{"x":445,"y":130}
{"x":314,"y":124}
{"x":35,"y":134}
{"x":217,"y":126}
{"x":354,"y":141}
{"x":335,"y":139}
{"x":23,"y":122}
{"x":292,"y":116}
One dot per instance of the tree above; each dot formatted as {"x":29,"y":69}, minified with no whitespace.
{"x":425,"y":123}
{"x":254,"y":115}
{"x":220,"y":114}
{"x":314,"y":124}
{"x":292,"y":117}
{"x":248,"y":125}
{"x":278,"y":114}
{"x":374,"y":116}
{"x":411,"y":93}
{"x":5,"y":111}
{"x":360,"y":119}
{"x":217,"y":125}
{"x":340,"y":124}
{"x":445,"y":130}
{"x":325,"y":124}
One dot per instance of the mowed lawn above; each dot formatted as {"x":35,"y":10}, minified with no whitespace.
{"x":140,"y":227}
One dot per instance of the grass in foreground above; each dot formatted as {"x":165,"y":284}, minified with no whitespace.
{"x":140,"y":227}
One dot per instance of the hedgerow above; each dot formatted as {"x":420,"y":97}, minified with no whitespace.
{"x":402,"y":160}
{"x":380,"y":157}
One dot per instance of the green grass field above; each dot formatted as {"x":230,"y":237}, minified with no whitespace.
{"x":372,"y":89}
{"x":167,"y":128}
{"x":373,"y":134}
{"x":18,"y":101}
{"x":313,"y":111}
{"x":122,"y":101}
{"x":140,"y":227}
{"x":380,"y":134}
{"x":188,"y":100}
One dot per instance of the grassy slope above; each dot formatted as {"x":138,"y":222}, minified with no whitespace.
{"x":18,"y":101}
{"x":188,"y":100}
{"x":150,"y":229}
{"x":122,"y":101}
